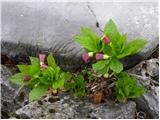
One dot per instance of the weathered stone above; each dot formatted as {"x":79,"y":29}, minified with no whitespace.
{"x":69,"y":108}
{"x":149,"y":102}
{"x":148,"y":68}
{"x":10,"y":100}
{"x":32,"y":27}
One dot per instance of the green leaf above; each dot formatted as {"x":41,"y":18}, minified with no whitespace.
{"x":120,"y":44}
{"x":107,"y":50}
{"x":69,"y":86}
{"x":80,"y":80}
{"x":133,"y":47}
{"x":34,"y":61}
{"x":37,"y":92}
{"x":137,"y":92}
{"x":51,"y":61}
{"x":86,"y":42}
{"x":58,"y":84}
{"x":98,"y":65}
{"x":123,"y":42}
{"x":17,"y":79}
{"x":47,"y":76}
{"x":57,"y":73}
{"x":24,"y":68}
{"x":85,"y":31}
{"x":121,"y":97}
{"x":115,"y":65}
{"x":29,"y":69}
{"x":33,"y":70}
{"x":79,"y":87}
{"x":127,"y":87}
{"x":80,"y":93}
{"x":45,"y":80}
{"x":111,"y":31}
{"x":66,"y":76}
{"x":104,"y":70}
{"x":88,"y":39}
{"x":51,"y":73}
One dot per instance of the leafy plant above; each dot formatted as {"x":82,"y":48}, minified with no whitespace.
{"x":107,"y":50}
{"x":89,"y":74}
{"x":41,"y":77}
{"x":127,"y":87}
{"x":77,"y":85}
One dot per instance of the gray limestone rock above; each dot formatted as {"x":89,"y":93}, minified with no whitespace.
{"x":148,"y":68}
{"x":29,"y":28}
{"x":149,"y":102}
{"x":53,"y":107}
{"x":10,"y":100}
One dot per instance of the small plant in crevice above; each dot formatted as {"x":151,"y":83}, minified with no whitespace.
{"x":40,"y":77}
{"x":107,"y":50}
{"x":127,"y":87}
{"x":77,"y":85}
{"x":44,"y":76}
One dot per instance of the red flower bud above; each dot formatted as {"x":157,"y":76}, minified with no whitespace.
{"x":105,"y":39}
{"x":87,"y":57}
{"x":27,"y":77}
{"x":42,"y":58}
{"x":100,"y":56}
{"x":44,"y":66}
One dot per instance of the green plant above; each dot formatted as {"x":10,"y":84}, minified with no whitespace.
{"x":41,"y":77}
{"x":77,"y":85}
{"x":108,"y":49}
{"x":127,"y":87}
{"x":89,"y":74}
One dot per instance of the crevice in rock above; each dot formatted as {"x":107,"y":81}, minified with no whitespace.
{"x":92,"y":12}
{"x":20,"y":55}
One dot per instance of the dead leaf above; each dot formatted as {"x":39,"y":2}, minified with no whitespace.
{"x":97,"y":97}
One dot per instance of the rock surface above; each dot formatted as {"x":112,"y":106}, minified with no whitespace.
{"x":148,"y":68}
{"x":32,"y":27}
{"x":10,"y":100}
{"x":67,"y":107}
{"x":149,"y":102}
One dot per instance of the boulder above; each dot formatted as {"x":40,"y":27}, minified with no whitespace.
{"x":67,"y":107}
{"x":29,"y":28}
{"x":11,"y":99}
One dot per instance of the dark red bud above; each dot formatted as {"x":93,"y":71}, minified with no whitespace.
{"x":86,"y":58}
{"x":27,"y":77}
{"x":99,"y":56}
{"x":42,"y":57}
{"x":105,"y":39}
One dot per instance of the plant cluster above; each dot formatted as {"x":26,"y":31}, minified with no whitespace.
{"x":41,"y":77}
{"x":106,"y":50}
